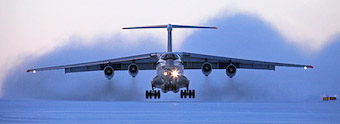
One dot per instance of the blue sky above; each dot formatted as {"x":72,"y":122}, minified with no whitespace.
{"x":241,"y":33}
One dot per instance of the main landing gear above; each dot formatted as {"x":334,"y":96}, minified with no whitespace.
{"x":157,"y":94}
{"x":153,"y":93}
{"x":187,"y":93}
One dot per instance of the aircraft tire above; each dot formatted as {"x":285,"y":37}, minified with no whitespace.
{"x":147,"y":94}
{"x":159,"y":94}
{"x":150,"y":94}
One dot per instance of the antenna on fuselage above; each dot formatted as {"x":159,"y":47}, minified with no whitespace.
{"x":169,"y":28}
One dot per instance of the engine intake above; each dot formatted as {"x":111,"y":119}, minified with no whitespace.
{"x":109,"y":72}
{"x":206,"y":68}
{"x":133,"y":70}
{"x":231,"y":70}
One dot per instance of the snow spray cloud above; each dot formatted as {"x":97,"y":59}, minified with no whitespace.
{"x":56,"y":85}
{"x":248,"y":37}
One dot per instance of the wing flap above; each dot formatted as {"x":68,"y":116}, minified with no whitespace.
{"x":83,"y":68}
{"x":257,"y":66}
{"x":146,"y":61}
{"x":195,"y":61}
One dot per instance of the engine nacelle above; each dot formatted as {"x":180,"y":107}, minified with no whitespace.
{"x":231,"y":70}
{"x":109,"y":72}
{"x":206,"y":68}
{"x":133,"y":69}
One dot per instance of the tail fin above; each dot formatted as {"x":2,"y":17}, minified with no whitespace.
{"x":169,"y":28}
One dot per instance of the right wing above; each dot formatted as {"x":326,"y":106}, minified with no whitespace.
{"x":195,"y":61}
{"x":144,"y":62}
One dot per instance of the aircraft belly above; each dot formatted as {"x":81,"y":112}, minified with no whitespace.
{"x":178,"y":82}
{"x":182,"y":81}
{"x":157,"y":81}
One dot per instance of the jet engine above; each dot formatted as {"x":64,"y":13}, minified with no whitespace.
{"x":109,"y":72}
{"x":206,"y":68}
{"x":133,"y":70}
{"x":231,"y":70}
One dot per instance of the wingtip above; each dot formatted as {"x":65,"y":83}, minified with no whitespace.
{"x":311,"y":66}
{"x":123,"y":28}
{"x":28,"y":71}
{"x":215,"y":27}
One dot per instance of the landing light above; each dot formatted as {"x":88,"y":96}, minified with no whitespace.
{"x":174,"y":73}
{"x":305,"y":67}
{"x":34,"y":71}
{"x":165,"y":73}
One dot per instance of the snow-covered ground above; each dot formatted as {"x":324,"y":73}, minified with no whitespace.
{"x":182,"y":111}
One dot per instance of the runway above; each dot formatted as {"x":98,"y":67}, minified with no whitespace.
{"x":182,"y":111}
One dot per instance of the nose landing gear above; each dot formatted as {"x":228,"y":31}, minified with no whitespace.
{"x":170,"y":87}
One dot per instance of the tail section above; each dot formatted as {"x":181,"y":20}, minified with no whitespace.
{"x":169,"y":28}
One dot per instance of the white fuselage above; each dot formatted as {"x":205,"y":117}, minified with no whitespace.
{"x":170,"y":72}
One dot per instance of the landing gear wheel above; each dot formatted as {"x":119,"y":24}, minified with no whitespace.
{"x":167,"y":87}
{"x":146,"y":94}
{"x":159,"y":94}
{"x":170,"y":87}
{"x":187,"y":93}
{"x":153,"y":93}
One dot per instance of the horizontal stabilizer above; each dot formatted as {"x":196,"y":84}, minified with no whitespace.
{"x":188,"y":26}
{"x":141,"y":27}
{"x":168,"y":26}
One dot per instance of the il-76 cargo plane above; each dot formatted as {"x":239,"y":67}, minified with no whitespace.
{"x":169,"y":66}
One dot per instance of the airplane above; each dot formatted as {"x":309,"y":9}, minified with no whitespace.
{"x":169,"y":65}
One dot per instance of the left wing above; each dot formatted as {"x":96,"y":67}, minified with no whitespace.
{"x":195,"y":61}
{"x":144,"y":62}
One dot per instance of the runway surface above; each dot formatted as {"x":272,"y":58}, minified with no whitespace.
{"x":37,"y":111}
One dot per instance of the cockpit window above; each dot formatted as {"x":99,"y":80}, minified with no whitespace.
{"x":169,"y":56}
